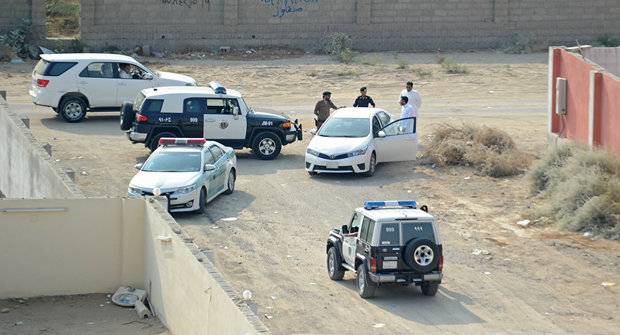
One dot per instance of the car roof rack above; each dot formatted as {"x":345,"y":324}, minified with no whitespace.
{"x":389,"y":204}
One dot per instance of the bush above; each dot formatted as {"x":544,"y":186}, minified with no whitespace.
{"x":402,"y":64}
{"x":581,"y":188}
{"x":516,"y":44}
{"x":374,"y":60}
{"x":335,"y":43}
{"x":490,"y":151}
{"x":345,"y":56}
{"x":348,"y":72}
{"x":606,"y":40}
{"x":420,"y":72}
{"x":451,"y":67}
{"x":18,"y":40}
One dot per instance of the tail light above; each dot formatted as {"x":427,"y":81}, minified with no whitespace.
{"x":373,"y":265}
{"x":142,"y":118}
{"x":441,"y":263}
{"x":42,"y":82}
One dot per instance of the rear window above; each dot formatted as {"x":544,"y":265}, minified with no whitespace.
{"x":151,"y":106}
{"x":52,"y":69}
{"x":413,"y":230}
{"x":390,"y":234}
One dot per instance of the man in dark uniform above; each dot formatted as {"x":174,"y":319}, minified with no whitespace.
{"x":363,"y":100}
{"x":322,"y":108}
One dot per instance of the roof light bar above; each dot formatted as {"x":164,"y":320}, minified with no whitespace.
{"x":182,"y":141}
{"x":391,"y":203}
{"x":217,"y":88}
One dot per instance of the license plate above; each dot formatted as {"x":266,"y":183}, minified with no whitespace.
{"x":332,"y":165}
{"x":389,"y":264}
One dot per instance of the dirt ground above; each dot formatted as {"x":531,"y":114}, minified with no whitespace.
{"x":269,"y":235}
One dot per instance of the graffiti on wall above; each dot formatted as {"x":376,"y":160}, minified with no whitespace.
{"x":187,"y":3}
{"x":283,"y":7}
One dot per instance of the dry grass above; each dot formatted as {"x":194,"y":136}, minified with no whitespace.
{"x":490,"y":151}
{"x":579,"y":189}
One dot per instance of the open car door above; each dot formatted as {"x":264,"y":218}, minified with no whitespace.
{"x":397,"y":141}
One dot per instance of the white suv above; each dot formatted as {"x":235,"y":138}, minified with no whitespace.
{"x":73,"y":83}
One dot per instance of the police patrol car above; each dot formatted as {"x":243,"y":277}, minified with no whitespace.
{"x":387,"y":242}
{"x":211,"y":112}
{"x":190,"y":172}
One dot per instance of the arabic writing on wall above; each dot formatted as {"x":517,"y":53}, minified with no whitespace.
{"x":283,"y":7}
{"x":186,"y":3}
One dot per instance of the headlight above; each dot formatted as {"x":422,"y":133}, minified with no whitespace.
{"x":312,"y":152}
{"x":357,"y":152}
{"x":185,"y":189}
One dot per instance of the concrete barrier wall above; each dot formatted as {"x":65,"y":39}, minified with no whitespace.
{"x":70,"y":246}
{"x":592,"y":101}
{"x":372,"y":24}
{"x":27,"y":169}
{"x":80,"y":246}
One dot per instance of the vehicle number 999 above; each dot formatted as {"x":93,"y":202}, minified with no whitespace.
{"x":193,"y":119}
{"x":389,"y":229}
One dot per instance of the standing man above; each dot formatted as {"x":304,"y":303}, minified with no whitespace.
{"x":413,"y":97}
{"x":363,"y":100}
{"x":406,"y":126}
{"x":322,"y":108}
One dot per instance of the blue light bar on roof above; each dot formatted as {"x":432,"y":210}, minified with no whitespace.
{"x":217,"y":88}
{"x":391,"y":203}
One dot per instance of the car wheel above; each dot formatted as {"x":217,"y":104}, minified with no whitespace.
{"x":155,"y":140}
{"x":421,"y":255}
{"x":364,"y":287}
{"x":312,"y":173}
{"x":267,"y":145}
{"x":429,"y":288}
{"x":231,"y":182}
{"x":201,"y":201}
{"x":333,"y":267}
{"x":372,"y":165}
{"x":127,"y":115}
{"x":72,"y":109}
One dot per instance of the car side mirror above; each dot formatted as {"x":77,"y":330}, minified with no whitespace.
{"x":235,"y":112}
{"x":210,"y":167}
{"x":345,"y":229}
{"x":139,"y":166}
{"x":148,"y":76}
{"x":381,"y":133}
{"x":313,"y":131}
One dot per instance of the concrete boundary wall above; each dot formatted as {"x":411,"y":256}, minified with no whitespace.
{"x":27,"y":168}
{"x":372,"y":24}
{"x":95,"y":245}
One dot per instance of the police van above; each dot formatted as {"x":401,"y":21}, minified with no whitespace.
{"x":213,"y":113}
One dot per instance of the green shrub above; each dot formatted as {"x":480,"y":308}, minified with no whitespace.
{"x":420,"y":72}
{"x":580,"y":189}
{"x":19,"y":39}
{"x":348,"y":72}
{"x":77,"y":45}
{"x":516,"y":44}
{"x":451,"y":67}
{"x":55,"y":8}
{"x":335,"y":43}
{"x":402,"y":64}
{"x":490,"y":151}
{"x":606,"y":40}
{"x":312,"y":73}
{"x":345,"y":56}
{"x":374,"y":60}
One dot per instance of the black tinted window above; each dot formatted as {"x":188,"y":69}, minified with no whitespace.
{"x":152,"y":106}
{"x":413,"y":230}
{"x":194,"y":105}
{"x":216,"y":151}
{"x":390,"y":233}
{"x":368,"y":227}
{"x":56,"y":68}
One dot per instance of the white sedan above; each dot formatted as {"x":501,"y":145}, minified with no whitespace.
{"x":189,"y":171}
{"x":355,"y":140}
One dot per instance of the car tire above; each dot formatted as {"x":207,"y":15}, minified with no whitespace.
{"x":72,"y":109}
{"x":429,"y":288}
{"x":365,"y":288}
{"x":155,"y":140}
{"x":421,"y":255}
{"x":231,"y":182}
{"x":127,"y":115}
{"x":266,"y":145}
{"x":333,"y":267}
{"x":202,"y":200}
{"x":372,"y":166}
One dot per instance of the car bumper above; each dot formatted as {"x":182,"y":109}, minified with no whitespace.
{"x":355,"y":164}
{"x":295,"y":133}
{"x":42,"y":97}
{"x":386,"y":278}
{"x":185,"y":202}
{"x":135,"y":136}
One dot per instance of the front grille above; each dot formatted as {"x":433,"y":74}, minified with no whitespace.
{"x":332,"y":157}
{"x":340,"y":168}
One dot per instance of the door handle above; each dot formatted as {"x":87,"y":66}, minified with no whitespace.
{"x":83,"y":82}
{"x":209,"y":120}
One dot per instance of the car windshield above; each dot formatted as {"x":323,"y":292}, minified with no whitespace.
{"x":345,"y":127}
{"x":166,"y":161}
